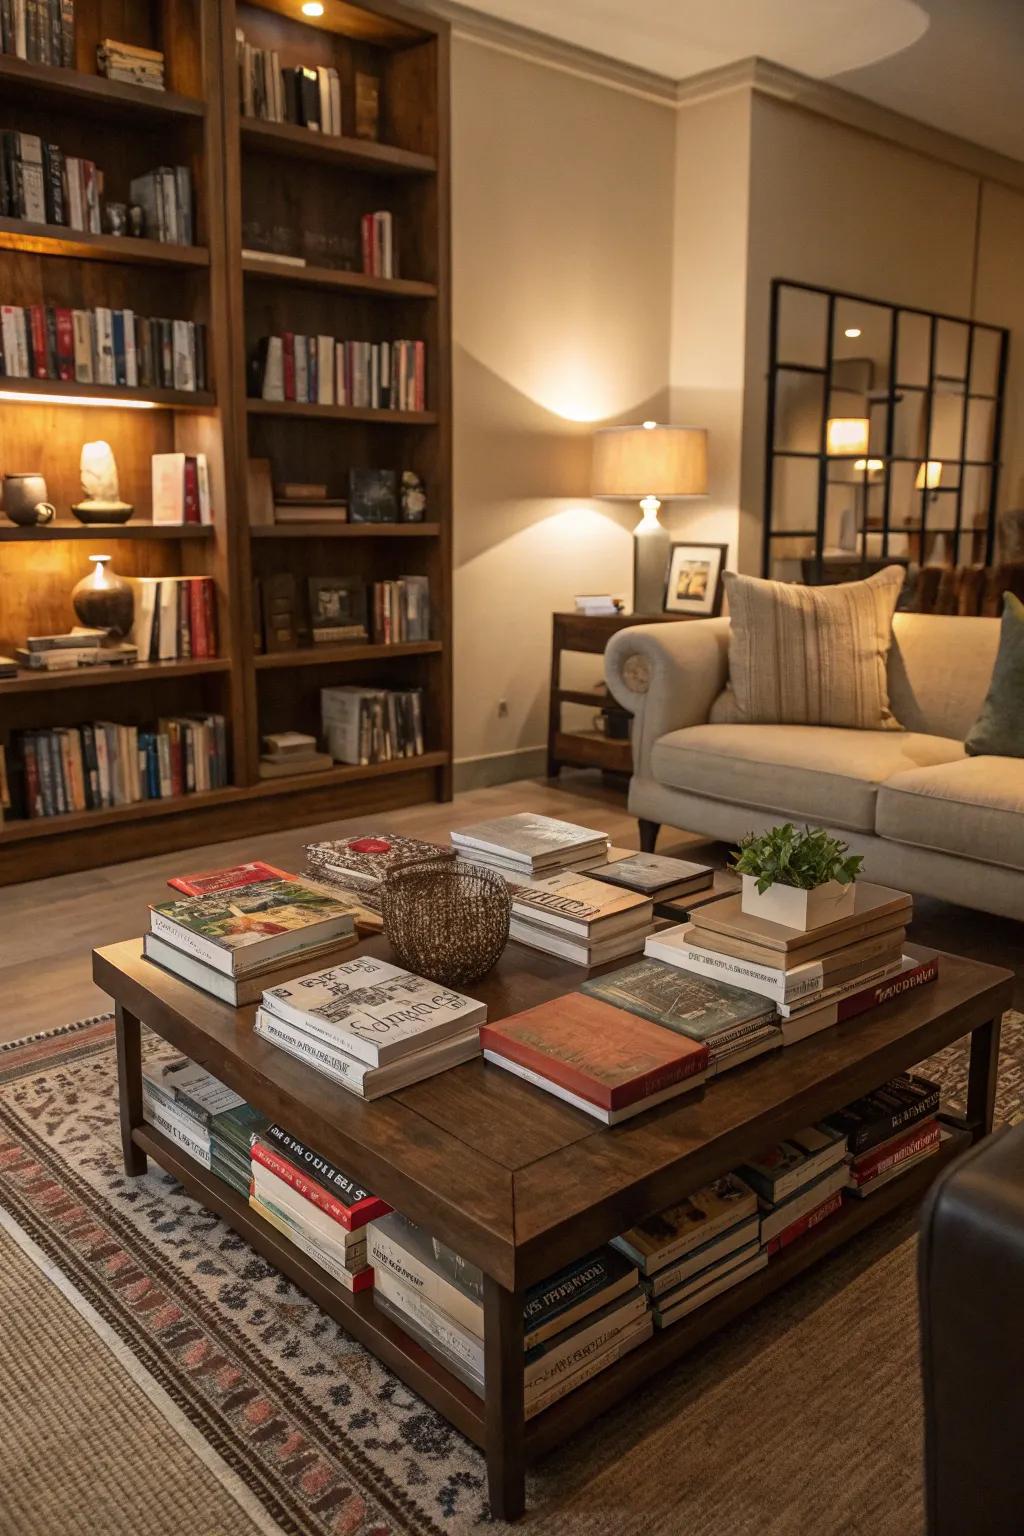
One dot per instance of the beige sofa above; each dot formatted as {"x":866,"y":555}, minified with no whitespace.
{"x":926,"y":816}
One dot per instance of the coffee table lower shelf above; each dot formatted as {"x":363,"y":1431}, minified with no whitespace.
{"x":420,"y":1371}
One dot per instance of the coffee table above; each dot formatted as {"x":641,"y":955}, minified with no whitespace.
{"x":520,"y":1183}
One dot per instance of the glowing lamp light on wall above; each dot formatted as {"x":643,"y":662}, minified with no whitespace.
{"x":312,"y":8}
{"x":647,"y":464}
{"x":26,"y":397}
{"x":847,"y":437}
{"x":929,"y":475}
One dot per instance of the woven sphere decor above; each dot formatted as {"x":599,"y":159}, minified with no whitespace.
{"x":446,"y":919}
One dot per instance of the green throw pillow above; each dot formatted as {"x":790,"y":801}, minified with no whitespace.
{"x":999,"y":729}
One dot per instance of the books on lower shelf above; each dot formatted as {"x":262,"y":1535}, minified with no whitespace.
{"x":324,"y":370}
{"x":40,"y":184}
{"x":360,"y":863}
{"x":609,"y":1063}
{"x":371,"y":1026}
{"x":95,"y":766}
{"x":175,"y":618}
{"x":165,"y":197}
{"x":80,"y":647}
{"x":41,"y":31}
{"x":372,"y":725}
{"x":202,"y":1116}
{"x":102,"y":346}
{"x":291,"y":752}
{"x":238,"y":930}
{"x":579,"y":919}
{"x":380,"y":259}
{"x":575,"y":1323}
{"x":529,"y":845}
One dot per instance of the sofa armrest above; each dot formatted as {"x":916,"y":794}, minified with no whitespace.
{"x":667,"y":676}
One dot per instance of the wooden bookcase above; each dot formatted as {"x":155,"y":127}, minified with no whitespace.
{"x":303,"y":185}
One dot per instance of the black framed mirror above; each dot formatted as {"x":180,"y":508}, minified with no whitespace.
{"x":883,"y":435}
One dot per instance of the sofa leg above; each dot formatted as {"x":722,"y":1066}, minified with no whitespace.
{"x":648,"y":834}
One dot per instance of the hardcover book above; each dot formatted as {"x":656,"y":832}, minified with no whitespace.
{"x":871,"y":902}
{"x":652,"y":874}
{"x":780,"y":1171}
{"x":676,"y":999}
{"x":361,"y":863}
{"x":901,"y":1102}
{"x":373,"y":1010}
{"x":689,"y":1224}
{"x":213,"y":881}
{"x":677,"y":946}
{"x":871,"y":1170}
{"x":528,"y":841}
{"x":237,"y":929}
{"x":575,"y":904}
{"x":358,"y":1202}
{"x":604,"y":1055}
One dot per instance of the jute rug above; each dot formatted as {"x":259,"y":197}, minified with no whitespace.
{"x":159,"y":1376}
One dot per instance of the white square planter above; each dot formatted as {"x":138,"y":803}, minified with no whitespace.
{"x":794,"y":908}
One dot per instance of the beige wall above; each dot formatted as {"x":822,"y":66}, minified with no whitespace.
{"x":1000,"y":298}
{"x":562,"y":242}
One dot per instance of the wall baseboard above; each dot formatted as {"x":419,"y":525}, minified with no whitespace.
{"x":499,"y":768}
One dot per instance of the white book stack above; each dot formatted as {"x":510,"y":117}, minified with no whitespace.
{"x":579,"y":919}
{"x":528,"y":846}
{"x":370,"y":1026}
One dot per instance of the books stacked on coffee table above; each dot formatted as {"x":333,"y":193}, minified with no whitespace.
{"x":576,"y":1323}
{"x":609,"y":1063}
{"x":814,"y":977}
{"x":799,"y":1183}
{"x":654,"y":875}
{"x":735,"y":1025}
{"x":581,"y":920}
{"x":528,"y":847}
{"x":235,"y":938}
{"x":360,"y":864}
{"x":370,"y":1026}
{"x":314,"y":1204}
{"x":202,"y":1116}
{"x":696,"y":1249}
{"x":888,"y":1131}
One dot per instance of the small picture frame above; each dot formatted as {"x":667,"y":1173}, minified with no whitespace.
{"x":693,"y":579}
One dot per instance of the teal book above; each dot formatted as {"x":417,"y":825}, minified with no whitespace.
{"x":691,"y":1005}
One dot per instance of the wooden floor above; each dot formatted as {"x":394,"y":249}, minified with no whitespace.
{"x":49,"y":927}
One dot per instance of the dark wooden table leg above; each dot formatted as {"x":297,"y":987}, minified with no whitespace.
{"x":503,"y":1373}
{"x":129,"y":1080}
{"x":981,"y":1078}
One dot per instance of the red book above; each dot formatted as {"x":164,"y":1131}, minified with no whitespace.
{"x":65,"y":345}
{"x":37,"y":320}
{"x":889,"y":1154}
{"x":197,"y":619}
{"x":351,"y":1217}
{"x":210,"y":615}
{"x":420,"y":376}
{"x":602,"y":1054}
{"x":191,"y":489}
{"x":367,"y":230}
{"x":288,"y":359}
{"x":807,"y":1222}
{"x":212,"y":881}
{"x":887,"y":991}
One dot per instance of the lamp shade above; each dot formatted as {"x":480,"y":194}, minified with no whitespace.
{"x":650,"y":460}
{"x":847,"y":435}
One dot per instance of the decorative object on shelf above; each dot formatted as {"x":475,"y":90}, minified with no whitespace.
{"x":104,"y":600}
{"x":116,"y":218}
{"x":446,"y":919}
{"x":372,"y":496}
{"x":644,"y":464}
{"x":414,"y":497}
{"x":337,"y":609}
{"x":798,"y":879}
{"x":25,"y":503}
{"x":136,"y":220}
{"x":693,"y":579}
{"x":102,"y":502}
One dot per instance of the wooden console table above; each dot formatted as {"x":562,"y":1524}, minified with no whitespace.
{"x":589,"y":633}
{"x":520,"y":1183}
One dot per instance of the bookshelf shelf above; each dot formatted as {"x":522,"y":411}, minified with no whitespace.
{"x":112,"y":815}
{"x":11,"y":533}
{"x":347,"y":773}
{"x":106,"y":394}
{"x":58,"y":240}
{"x":361,"y":154}
{"x":329,"y":278}
{"x":348,"y":531}
{"x":112,"y":677}
{"x":342,"y":413}
{"x":355,"y":651}
{"x":93,"y":93}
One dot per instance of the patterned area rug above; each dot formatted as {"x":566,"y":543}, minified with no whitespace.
{"x":326,"y":1442}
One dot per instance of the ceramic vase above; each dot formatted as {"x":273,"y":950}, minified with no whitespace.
{"x":103,"y":600}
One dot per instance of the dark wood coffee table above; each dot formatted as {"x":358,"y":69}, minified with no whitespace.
{"x":520,"y":1183}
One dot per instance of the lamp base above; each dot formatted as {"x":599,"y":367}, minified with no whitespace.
{"x":651,"y":544}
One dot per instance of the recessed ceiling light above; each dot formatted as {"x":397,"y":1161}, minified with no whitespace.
{"x":312,"y":8}
{"x":852,"y":330}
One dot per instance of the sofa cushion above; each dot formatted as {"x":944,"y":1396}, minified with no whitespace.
{"x":812,"y":655}
{"x":815,"y":773}
{"x":973,"y":807}
{"x":999,"y":729}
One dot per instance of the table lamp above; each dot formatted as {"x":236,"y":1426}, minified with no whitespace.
{"x":650,"y":463}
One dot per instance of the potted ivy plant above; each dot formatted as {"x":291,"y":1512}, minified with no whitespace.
{"x":798,"y":879}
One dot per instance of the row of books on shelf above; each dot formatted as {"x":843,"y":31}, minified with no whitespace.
{"x":320,"y":370}
{"x":364,"y":725}
{"x":347,"y":608}
{"x":94,"y":766}
{"x":309,"y":96}
{"x":42,"y":185}
{"x":380,"y":259}
{"x":175,"y":618}
{"x":181,"y":488}
{"x":41,"y":31}
{"x":102,"y":346}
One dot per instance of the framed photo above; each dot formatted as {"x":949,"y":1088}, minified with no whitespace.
{"x":693,"y":582}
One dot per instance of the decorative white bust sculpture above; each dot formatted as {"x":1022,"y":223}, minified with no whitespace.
{"x":102,"y":502}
